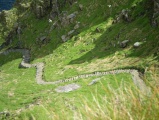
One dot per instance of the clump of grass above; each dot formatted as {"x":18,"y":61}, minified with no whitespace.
{"x":126,"y":102}
{"x":121,"y":106}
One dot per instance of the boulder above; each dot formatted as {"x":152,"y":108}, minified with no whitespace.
{"x":80,"y":7}
{"x":137,"y":44}
{"x":70,"y":32}
{"x":123,"y":15}
{"x":67,"y":88}
{"x":63,"y":37}
{"x":124,"y":43}
{"x":40,"y":7}
{"x":42,"y":38}
{"x":77,"y":25}
{"x":71,"y":16}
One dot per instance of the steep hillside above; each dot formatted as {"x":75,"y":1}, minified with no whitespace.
{"x":66,"y":39}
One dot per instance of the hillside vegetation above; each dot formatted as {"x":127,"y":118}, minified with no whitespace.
{"x":92,"y":40}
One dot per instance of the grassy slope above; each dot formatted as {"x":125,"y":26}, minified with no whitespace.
{"x":86,"y":52}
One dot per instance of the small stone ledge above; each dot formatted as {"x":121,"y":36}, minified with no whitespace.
{"x":67,"y":88}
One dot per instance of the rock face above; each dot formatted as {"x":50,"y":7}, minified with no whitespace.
{"x":8,"y":30}
{"x":70,"y":33}
{"x":55,"y":10}
{"x":16,"y":30}
{"x":67,"y":88}
{"x":41,"y":7}
{"x":155,"y":17}
{"x":124,"y":15}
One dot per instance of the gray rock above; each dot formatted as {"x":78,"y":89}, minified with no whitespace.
{"x":67,"y":88}
{"x":155,"y":16}
{"x":81,"y":7}
{"x":63,"y":19}
{"x":63,"y":37}
{"x":94,"y":81}
{"x":73,"y":15}
{"x":76,"y":26}
{"x":125,"y":14}
{"x":70,"y":32}
{"x":42,"y":38}
{"x":137,"y":44}
{"x":124,"y":43}
{"x":39,"y":11}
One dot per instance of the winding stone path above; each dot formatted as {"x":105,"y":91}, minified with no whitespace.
{"x":25,"y":63}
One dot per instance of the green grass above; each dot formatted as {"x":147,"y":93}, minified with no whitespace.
{"x":86,"y":52}
{"x":111,"y":103}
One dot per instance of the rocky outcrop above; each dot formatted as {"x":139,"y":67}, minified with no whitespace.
{"x":42,"y":7}
{"x":66,"y":19}
{"x":7,"y":29}
{"x":68,"y":35}
{"x":71,"y":33}
{"x":155,"y":16}
{"x":80,"y":7}
{"x":42,"y":40}
{"x":16,"y":30}
{"x":123,"y":16}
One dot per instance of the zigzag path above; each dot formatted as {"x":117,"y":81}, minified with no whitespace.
{"x":25,"y":63}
